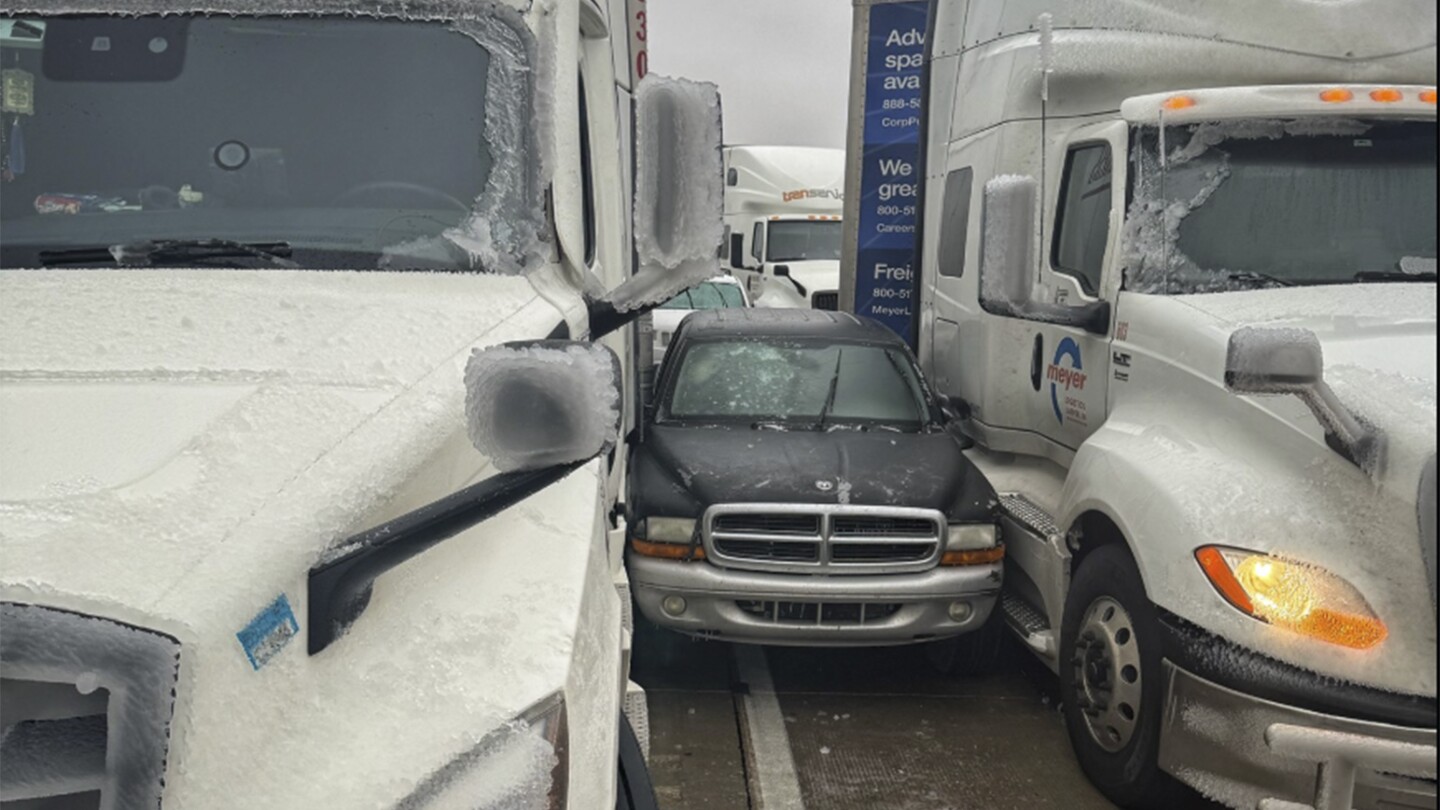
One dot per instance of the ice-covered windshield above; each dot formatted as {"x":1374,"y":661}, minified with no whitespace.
{"x":709,"y":295}
{"x":1274,"y":203}
{"x":804,"y":241}
{"x":795,"y":382}
{"x":354,"y":143}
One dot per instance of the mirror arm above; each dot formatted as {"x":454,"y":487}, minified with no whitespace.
{"x":339,"y":590}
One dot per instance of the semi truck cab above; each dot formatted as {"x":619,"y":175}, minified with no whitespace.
{"x":1188,"y":308}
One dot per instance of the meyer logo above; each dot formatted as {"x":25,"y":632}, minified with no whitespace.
{"x":813,"y":194}
{"x":1072,"y":378}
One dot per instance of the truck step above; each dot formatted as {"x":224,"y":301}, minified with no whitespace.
{"x":1029,"y":622}
{"x":1029,"y":514}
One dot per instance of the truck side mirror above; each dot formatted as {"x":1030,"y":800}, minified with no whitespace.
{"x":737,"y":251}
{"x":1289,"y":361}
{"x":539,"y":410}
{"x":783,"y":271}
{"x":679,"y":198}
{"x":1007,"y":266}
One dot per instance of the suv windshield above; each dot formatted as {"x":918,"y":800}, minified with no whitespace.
{"x":1277,"y":203}
{"x":804,"y":241}
{"x":354,"y":142}
{"x":804,"y":382}
{"x":709,"y":295}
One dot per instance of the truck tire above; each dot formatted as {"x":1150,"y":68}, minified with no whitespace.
{"x":1111,"y":684}
{"x":633,"y":789}
{"x":972,"y":655}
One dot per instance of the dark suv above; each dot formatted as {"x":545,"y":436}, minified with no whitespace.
{"x":796,"y":484}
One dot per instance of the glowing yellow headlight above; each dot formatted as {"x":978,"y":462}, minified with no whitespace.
{"x":1297,"y":596}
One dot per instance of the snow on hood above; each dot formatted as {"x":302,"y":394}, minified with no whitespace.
{"x":147,"y":417}
{"x":1379,"y":347}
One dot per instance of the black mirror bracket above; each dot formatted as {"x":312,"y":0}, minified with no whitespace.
{"x":339,"y":589}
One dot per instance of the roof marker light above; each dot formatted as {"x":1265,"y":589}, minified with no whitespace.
{"x":1427,"y":96}
{"x":1175,"y":103}
{"x":1337,"y":95}
{"x":1388,"y":95}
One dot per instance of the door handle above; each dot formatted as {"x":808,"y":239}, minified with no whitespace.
{"x":1037,"y":361}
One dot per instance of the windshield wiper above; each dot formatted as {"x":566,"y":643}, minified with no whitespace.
{"x":834,"y":387}
{"x":1252,"y":277}
{"x":171,"y":251}
{"x":1393,"y":275}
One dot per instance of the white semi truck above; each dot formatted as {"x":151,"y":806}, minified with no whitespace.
{"x":248,"y":557}
{"x":783,"y":207}
{"x":1178,"y":278}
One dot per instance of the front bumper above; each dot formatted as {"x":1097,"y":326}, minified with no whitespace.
{"x":1227,"y":744}
{"x":797,"y":610}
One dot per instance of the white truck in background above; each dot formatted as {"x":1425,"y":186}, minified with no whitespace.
{"x":1178,"y":283}
{"x":783,"y":217}
{"x":249,"y":557}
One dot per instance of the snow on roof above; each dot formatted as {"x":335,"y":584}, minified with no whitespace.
{"x":1102,"y":53}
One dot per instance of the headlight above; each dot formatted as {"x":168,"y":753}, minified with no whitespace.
{"x":667,"y":539}
{"x":1303,"y":598}
{"x":669,"y":530}
{"x":972,"y":544}
{"x":523,"y":766}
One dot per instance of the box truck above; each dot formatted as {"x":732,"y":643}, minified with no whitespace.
{"x":1178,"y":277}
{"x":783,"y":209}
{"x":267,"y":267}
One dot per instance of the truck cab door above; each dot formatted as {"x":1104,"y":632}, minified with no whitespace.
{"x":1070,"y":371}
{"x":1032,"y":386}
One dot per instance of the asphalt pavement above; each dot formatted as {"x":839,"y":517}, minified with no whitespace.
{"x":750,"y":728}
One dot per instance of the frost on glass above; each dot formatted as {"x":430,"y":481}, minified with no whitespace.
{"x":534,"y":406}
{"x":1008,"y":251}
{"x":135,"y":668}
{"x":679,"y":190}
{"x":1177,"y":176}
{"x":507,"y":226}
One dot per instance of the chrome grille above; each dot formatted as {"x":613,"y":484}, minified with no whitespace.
{"x":823,"y":539}
{"x":63,"y":742}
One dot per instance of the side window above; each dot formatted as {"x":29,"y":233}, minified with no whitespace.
{"x":757,"y":243}
{"x":587,"y":178}
{"x":1082,"y":219}
{"x":955,"y":221}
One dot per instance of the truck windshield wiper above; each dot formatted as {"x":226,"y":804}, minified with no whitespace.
{"x":1394,"y":275}
{"x":1251,"y":277}
{"x":834,"y":387}
{"x":171,"y":251}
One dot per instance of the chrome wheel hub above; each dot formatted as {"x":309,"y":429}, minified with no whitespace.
{"x":1105,"y":668}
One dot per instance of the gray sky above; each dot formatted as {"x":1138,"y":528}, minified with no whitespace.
{"x":783,"y":66}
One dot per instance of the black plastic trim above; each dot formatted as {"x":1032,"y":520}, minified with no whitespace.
{"x":1244,"y":670}
{"x":340,"y":589}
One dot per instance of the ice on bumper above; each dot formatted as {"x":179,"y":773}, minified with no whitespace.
{"x":530,"y":406}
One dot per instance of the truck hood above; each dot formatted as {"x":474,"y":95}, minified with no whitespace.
{"x":684,"y":470}
{"x":150,"y":416}
{"x":180,"y":447}
{"x":819,"y":276}
{"x":1379,"y":346}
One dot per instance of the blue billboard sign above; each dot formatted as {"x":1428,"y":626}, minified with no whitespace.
{"x":890,"y":179}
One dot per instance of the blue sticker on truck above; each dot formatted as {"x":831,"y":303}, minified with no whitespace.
{"x":1071,"y":378}
{"x":268,"y":633}
{"x":890,"y":179}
